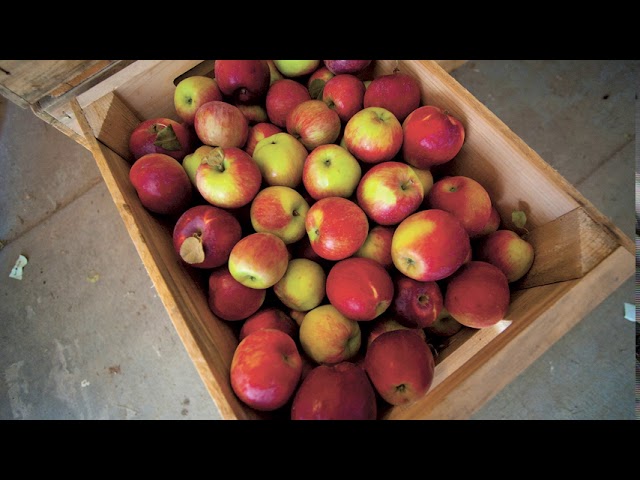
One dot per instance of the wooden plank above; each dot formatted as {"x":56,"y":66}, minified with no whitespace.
{"x":566,"y":248}
{"x":540,"y":316}
{"x":450,"y":65}
{"x":209,"y":341}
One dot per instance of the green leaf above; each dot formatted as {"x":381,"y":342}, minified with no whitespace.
{"x":167,"y":139}
{"x":519,"y":218}
{"x":316,"y":88}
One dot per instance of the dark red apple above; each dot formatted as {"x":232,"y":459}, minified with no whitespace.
{"x":160,"y":135}
{"x":204,"y":235}
{"x":346,"y":66}
{"x":271,"y":317}
{"x":162,"y":184}
{"x":229,"y":299}
{"x":282,"y":97}
{"x":344,"y":93}
{"x":246,"y":81}
{"x":416,"y":304}
{"x":335,"y":392}
{"x":397,"y":92}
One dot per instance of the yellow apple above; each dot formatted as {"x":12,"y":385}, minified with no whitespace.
{"x":302,"y":288}
{"x":280,"y":159}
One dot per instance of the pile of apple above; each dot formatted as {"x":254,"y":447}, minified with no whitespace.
{"x":306,"y":191}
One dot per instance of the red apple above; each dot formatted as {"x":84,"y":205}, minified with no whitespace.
{"x":416,"y":304}
{"x":230,"y":300}
{"x":330,"y":171}
{"x":389,"y":192}
{"x":258,"y":132}
{"x":492,"y":224}
{"x":221,"y":124}
{"x":377,"y":246}
{"x":400,"y":366}
{"x":254,"y":113}
{"x":313,"y":123}
{"x":344,"y":93}
{"x":478,"y":295}
{"x":373,"y":135}
{"x":282,"y":97}
{"x":398,"y":92}
{"x":346,"y":66}
{"x":265,"y":369}
{"x":228,"y":178}
{"x":508,"y":251}
{"x":271,"y":317}
{"x":191,"y":93}
{"x":162,"y":184}
{"x":432,"y":136}
{"x":160,"y":135}
{"x":360,"y":288}
{"x":429,"y":245}
{"x":336,"y":227}
{"x":246,"y":81}
{"x":259,"y":260}
{"x":204,"y":235}
{"x":465,"y":198}
{"x":279,"y":210}
{"x":386,"y":323}
{"x":335,"y":392}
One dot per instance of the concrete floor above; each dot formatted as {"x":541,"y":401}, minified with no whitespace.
{"x":84,"y":335}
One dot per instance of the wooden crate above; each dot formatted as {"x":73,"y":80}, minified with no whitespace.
{"x":581,"y":256}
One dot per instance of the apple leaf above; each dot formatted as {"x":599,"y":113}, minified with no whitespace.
{"x":519,"y":218}
{"x":192,"y":251}
{"x":316,"y":88}
{"x":167,"y":139}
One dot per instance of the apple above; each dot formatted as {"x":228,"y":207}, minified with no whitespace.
{"x":508,"y":251}
{"x":228,"y":177}
{"x":445,"y":325}
{"x":265,"y":369}
{"x":280,"y":158}
{"x":313,"y":123}
{"x":330,"y":171}
{"x":377,"y":246}
{"x":344,"y":93}
{"x":328,"y":337}
{"x":386,"y":323}
{"x":204,"y":235}
{"x":397,"y":92}
{"x":161,"y":183}
{"x":360,"y":288}
{"x":191,"y":93}
{"x":258,"y":260}
{"x":297,"y":315}
{"x":160,"y":135}
{"x":337,"y":227}
{"x":373,"y":135}
{"x":429,"y":245}
{"x":254,"y":113}
{"x":271,"y":317}
{"x":432,"y":137}
{"x":335,"y":392}
{"x":279,"y":210}
{"x":296,"y":68}
{"x":258,"y":132}
{"x":426,"y":179}
{"x":302,"y":287}
{"x":400,"y":366}
{"x":465,"y":198}
{"x":282,"y":97}
{"x":416,"y":304}
{"x":221,"y":124}
{"x":478,"y":295}
{"x":246,"y":81}
{"x":317,"y":80}
{"x":274,"y":73}
{"x":346,"y":66}
{"x":229,"y":300}
{"x":492,"y":224}
{"x":192,"y":161}
{"x":389,"y":192}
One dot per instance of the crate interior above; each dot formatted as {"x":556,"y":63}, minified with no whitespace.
{"x":492,"y":154}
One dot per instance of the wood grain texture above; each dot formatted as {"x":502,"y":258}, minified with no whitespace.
{"x":209,"y":341}
{"x":451,"y":65}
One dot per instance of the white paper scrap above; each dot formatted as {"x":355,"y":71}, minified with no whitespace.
{"x":630,"y":312}
{"x":16,"y":271}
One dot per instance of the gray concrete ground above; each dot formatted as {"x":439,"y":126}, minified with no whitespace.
{"x":84,"y":335}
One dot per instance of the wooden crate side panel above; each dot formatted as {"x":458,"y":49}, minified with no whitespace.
{"x":209,"y":341}
{"x":540,"y":316}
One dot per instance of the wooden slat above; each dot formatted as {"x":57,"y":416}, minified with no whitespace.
{"x":451,"y":65}
{"x":540,"y":316}
{"x":209,"y":341}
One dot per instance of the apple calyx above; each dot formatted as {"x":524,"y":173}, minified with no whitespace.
{"x":423,"y":299}
{"x":166,"y":138}
{"x":214,"y":158}
{"x":191,"y":250}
